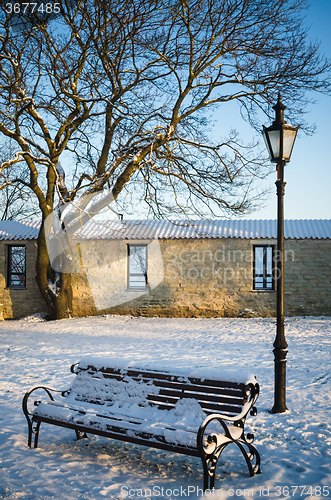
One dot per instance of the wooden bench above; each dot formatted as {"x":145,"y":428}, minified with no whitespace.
{"x":192,"y":413}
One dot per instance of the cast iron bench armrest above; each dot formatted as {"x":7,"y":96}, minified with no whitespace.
{"x":27,"y":413}
{"x":211,"y":444}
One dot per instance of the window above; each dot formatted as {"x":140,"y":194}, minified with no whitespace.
{"x":137,"y":266}
{"x":263,"y":273}
{"x":16,"y":266}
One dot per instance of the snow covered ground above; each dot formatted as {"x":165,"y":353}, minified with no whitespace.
{"x":295,"y":446}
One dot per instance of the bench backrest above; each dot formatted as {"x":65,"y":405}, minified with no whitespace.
{"x":159,"y":389}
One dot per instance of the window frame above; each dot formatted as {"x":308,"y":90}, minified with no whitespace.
{"x":10,"y":273}
{"x":265,"y":275}
{"x":129,"y":274}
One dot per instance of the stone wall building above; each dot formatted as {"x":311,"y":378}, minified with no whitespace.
{"x":163,"y":268}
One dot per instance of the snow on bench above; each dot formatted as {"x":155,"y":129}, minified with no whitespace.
{"x":194,"y":412}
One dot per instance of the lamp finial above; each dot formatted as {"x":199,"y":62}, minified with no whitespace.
{"x":279,"y":109}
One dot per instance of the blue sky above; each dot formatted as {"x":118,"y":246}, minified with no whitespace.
{"x":308,"y":174}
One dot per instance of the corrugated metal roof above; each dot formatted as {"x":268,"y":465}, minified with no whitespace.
{"x":165,"y":229}
{"x":19,"y":230}
{"x":249,"y":229}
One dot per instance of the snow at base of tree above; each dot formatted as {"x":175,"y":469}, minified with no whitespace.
{"x":295,"y":446}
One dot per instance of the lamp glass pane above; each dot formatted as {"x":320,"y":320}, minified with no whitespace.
{"x":265,"y":137}
{"x":274,"y":138}
{"x":288,"y":142}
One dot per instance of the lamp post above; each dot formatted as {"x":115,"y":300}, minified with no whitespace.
{"x":279,"y":139}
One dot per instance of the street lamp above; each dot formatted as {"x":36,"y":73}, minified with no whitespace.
{"x":279,"y":139}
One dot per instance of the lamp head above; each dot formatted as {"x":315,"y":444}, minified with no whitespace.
{"x":279,"y":137}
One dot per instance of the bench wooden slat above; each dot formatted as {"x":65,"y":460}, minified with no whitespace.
{"x":174,"y":396}
{"x":170,"y":396}
{"x":171,"y":400}
{"x":213,"y":396}
{"x":168,"y":404}
{"x":214,"y":408}
{"x":204,"y":388}
{"x":145,"y":376}
{"x":198,"y":388}
{"x":208,"y":409}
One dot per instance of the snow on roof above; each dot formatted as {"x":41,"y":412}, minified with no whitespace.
{"x":178,"y":229}
{"x":19,"y":230}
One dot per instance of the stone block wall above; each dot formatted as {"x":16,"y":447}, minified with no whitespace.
{"x":307,"y":288}
{"x":207,"y":278}
{"x":103,"y":283}
{"x":22,"y":302}
{"x":187,"y":278}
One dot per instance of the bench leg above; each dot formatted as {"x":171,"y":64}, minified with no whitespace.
{"x":30,"y":432}
{"x":209,"y":463}
{"x":250,"y":456}
{"x":80,"y":435}
{"x":36,"y":434}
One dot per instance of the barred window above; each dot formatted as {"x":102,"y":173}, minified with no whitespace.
{"x":263,"y":269}
{"x":137,"y":266}
{"x":16,"y":266}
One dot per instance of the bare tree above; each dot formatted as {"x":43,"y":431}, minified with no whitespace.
{"x":124,"y":91}
{"x":16,"y":201}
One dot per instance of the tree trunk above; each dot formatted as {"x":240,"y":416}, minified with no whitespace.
{"x":55,"y":287}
